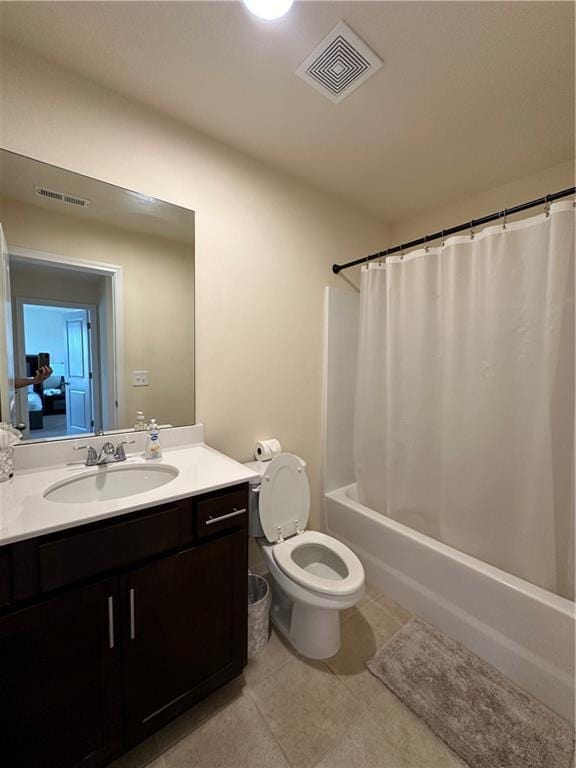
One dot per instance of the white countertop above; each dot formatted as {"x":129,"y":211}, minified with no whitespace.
{"x":25,"y":513}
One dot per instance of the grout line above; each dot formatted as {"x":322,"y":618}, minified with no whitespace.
{"x":291,"y":657}
{"x":268,"y":674}
{"x":268,"y":726}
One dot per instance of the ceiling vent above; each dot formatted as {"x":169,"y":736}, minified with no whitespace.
{"x":340,"y":64}
{"x":52,"y":194}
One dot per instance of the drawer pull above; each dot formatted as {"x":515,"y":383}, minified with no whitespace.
{"x":212,"y":520}
{"x":132,"y":620}
{"x":111,"y":622}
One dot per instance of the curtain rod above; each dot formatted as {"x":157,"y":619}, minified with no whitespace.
{"x":460,"y":228}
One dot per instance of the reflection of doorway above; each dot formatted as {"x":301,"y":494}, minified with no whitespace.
{"x":67,"y":403}
{"x":95,"y":290}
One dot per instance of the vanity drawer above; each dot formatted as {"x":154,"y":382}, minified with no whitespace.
{"x":226,"y":512}
{"x":82,"y":555}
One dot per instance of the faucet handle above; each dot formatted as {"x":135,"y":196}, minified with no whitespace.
{"x":91,"y":456}
{"x":120,"y":453}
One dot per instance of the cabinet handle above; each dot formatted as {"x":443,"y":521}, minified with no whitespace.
{"x":111,"y":622}
{"x":212,"y":520}
{"x":132,"y":621}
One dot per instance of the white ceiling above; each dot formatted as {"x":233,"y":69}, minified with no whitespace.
{"x":471,"y":94}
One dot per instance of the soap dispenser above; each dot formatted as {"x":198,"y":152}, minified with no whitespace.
{"x":153,"y":446}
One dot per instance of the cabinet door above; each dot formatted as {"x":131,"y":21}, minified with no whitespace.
{"x":185,"y":630}
{"x":60,"y":692}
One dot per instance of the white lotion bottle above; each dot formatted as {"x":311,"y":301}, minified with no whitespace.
{"x":153,"y":445}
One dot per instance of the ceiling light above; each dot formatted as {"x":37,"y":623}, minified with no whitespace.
{"x":268,"y":9}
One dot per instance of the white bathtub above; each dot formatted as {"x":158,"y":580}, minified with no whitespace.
{"x":524,"y":631}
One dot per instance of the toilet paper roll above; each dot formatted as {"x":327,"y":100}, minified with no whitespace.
{"x":266,"y":449}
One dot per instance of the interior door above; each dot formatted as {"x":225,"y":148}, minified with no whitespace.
{"x":7,"y":391}
{"x":79,"y":409}
{"x":184,"y":631}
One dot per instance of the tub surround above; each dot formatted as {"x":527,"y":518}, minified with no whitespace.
{"x":26,"y":513}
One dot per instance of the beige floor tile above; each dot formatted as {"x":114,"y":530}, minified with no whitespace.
{"x":383,"y":623}
{"x":409,"y":735}
{"x":236,"y":737}
{"x":371,"y":594}
{"x":269,"y":660}
{"x":364,"y":747}
{"x":307,"y":709}
{"x":350,"y":668}
{"x":361,"y":637}
{"x":145,"y":754}
{"x":199,"y":714}
{"x":364,"y":633}
{"x":400,"y":613}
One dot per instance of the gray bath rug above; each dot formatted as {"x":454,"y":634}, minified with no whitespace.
{"x":476,"y":711}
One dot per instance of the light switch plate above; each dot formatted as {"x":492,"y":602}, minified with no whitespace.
{"x":139,"y":378}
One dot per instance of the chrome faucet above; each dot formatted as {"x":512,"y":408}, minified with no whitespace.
{"x":108,"y":454}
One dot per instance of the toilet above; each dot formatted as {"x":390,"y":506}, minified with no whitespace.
{"x":314,"y":576}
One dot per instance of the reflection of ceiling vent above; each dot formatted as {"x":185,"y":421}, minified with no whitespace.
{"x":52,"y":194}
{"x":340,"y":64}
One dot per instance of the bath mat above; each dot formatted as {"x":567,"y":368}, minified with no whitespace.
{"x":483,"y":717}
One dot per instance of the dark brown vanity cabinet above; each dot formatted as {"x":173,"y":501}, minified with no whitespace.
{"x":59,"y":670}
{"x":90,"y":665}
{"x":200,"y":593}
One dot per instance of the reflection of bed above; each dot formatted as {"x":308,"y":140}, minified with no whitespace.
{"x":35,"y":409}
{"x":53,"y":396}
{"x":47,"y":398}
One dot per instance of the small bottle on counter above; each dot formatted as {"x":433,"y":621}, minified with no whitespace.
{"x":153,"y":446}
{"x":140,"y":424}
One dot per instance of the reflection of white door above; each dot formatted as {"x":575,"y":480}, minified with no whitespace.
{"x":78,"y":376}
{"x":7,"y":392}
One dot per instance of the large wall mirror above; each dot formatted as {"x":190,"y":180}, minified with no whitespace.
{"x":97,"y":291}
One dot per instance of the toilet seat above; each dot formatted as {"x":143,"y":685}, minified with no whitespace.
{"x":324,"y":554}
{"x":284,"y":497}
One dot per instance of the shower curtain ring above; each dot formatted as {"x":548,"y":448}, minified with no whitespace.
{"x":505,"y":214}
{"x":547,"y":206}
{"x":472,"y":232}
{"x":443,"y":241}
{"x":402,"y":252}
{"x":426,"y":248}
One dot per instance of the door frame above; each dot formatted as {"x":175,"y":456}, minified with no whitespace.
{"x":115,"y":351}
{"x":95,"y":362}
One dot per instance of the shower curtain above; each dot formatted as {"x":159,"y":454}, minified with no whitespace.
{"x":464,"y":417}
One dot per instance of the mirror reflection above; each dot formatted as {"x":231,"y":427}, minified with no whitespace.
{"x":97,"y":290}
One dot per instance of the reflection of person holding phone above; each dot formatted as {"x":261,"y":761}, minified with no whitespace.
{"x":42,"y":374}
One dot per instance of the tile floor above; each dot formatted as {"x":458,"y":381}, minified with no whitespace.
{"x":289,"y":712}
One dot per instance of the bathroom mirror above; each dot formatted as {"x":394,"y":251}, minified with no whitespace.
{"x":96,"y":284}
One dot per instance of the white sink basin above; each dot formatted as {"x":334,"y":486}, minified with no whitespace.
{"x":111,"y":482}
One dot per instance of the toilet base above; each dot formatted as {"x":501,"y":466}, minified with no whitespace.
{"x":313,"y":632}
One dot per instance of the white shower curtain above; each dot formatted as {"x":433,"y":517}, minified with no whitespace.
{"x":464,"y":404}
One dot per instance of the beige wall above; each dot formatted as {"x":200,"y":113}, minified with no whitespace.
{"x":158,"y":277}
{"x":264,"y":247}
{"x":508,"y":195}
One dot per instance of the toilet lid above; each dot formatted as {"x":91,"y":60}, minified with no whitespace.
{"x":284,"y":497}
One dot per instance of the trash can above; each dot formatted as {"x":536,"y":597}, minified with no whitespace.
{"x":259,"y":598}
